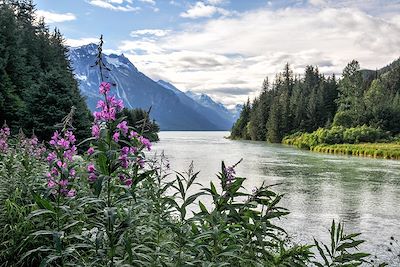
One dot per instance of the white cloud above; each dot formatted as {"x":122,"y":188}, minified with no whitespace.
{"x":151,"y":2}
{"x":235,"y":54}
{"x":200,"y":10}
{"x":82,"y":41}
{"x":216,"y":2}
{"x":317,"y":2}
{"x":116,"y":5}
{"x":153,"y":32}
{"x":51,"y":17}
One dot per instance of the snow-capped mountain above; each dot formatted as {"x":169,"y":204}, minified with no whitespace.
{"x":208,"y":102}
{"x":171,"y":109}
{"x":216,"y":116}
{"x":235,"y":111}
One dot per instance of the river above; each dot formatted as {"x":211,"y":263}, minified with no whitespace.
{"x":363,"y":193}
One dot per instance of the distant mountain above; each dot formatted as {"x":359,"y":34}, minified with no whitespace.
{"x":215,"y":112}
{"x":236,"y":111}
{"x":208,"y":102}
{"x":172,"y":109}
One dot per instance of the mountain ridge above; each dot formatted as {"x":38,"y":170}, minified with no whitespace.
{"x":171,"y":109}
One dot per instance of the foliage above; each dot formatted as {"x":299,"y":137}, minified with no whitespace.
{"x":293,"y":104}
{"x":37,"y":87}
{"x":153,"y":221}
{"x":112,"y":207}
{"x":340,"y":252}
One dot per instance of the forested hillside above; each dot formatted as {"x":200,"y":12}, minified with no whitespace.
{"x":37,"y":87}
{"x":294,"y":103}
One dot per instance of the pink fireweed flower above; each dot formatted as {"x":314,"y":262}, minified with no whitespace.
{"x":101,"y":104}
{"x":54,"y":138}
{"x":34,"y":141}
{"x":230,"y":174}
{"x":133,"y":134}
{"x":5,"y":131}
{"x":125,"y":150}
{"x":61,"y":164}
{"x":104,"y":88}
{"x":145,"y":142}
{"x":140,"y":161}
{"x":72,"y":172}
{"x":128,"y":182}
{"x":117,"y":104}
{"x":71,"y":193}
{"x":116,"y":137}
{"x":133,"y":149}
{"x":63,"y":143}
{"x":123,"y":126}
{"x":63,"y":183}
{"x":54,"y":171}
{"x":70,"y":136}
{"x":68,"y":154}
{"x":92,"y":177}
{"x":51,"y":157}
{"x":51,"y":183}
{"x":91,"y":167}
{"x":124,"y":160}
{"x":92,"y":172}
{"x":96,"y":131}
{"x":90,"y":151}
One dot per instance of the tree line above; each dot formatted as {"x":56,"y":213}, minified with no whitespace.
{"x":294,"y":103}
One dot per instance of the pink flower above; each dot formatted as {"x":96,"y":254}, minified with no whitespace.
{"x":54,"y":171}
{"x":70,"y":136}
{"x":63,"y":183}
{"x":133,"y":150}
{"x":145,"y":142}
{"x":133,"y":134}
{"x":104,"y":88}
{"x":128,"y":182}
{"x":90,"y":150}
{"x":96,"y":131}
{"x":140,"y":161}
{"x":60,"y":164}
{"x":51,"y":183}
{"x":71,"y":193}
{"x":91,"y":167}
{"x":123,"y":126}
{"x":101,"y":104}
{"x":125,"y":150}
{"x":72,"y":172}
{"x":63,"y":143}
{"x":116,"y":137}
{"x":124,"y":160}
{"x":51,"y":157}
{"x":92,"y":177}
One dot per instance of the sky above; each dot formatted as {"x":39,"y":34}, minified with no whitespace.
{"x":226,"y":48}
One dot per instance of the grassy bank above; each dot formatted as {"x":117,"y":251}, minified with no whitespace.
{"x":359,"y":141}
{"x":374,"y":150}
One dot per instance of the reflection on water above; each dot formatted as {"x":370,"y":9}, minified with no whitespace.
{"x":364,"y":193}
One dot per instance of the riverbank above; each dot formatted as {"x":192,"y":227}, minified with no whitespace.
{"x":372,"y":150}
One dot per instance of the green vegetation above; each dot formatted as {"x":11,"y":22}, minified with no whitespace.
{"x":357,"y":141}
{"x":306,"y":104}
{"x":37,"y":86}
{"x":138,"y":215}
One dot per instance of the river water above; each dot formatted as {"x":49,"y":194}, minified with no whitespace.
{"x":363,"y":193}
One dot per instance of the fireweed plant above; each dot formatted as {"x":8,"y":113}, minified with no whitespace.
{"x":111,"y":206}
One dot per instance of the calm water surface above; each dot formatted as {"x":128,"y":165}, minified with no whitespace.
{"x":363,"y":193}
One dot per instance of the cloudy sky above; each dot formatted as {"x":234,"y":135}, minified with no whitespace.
{"x":225,"y":48}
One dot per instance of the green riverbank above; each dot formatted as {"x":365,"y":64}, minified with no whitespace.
{"x":373,"y":150}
